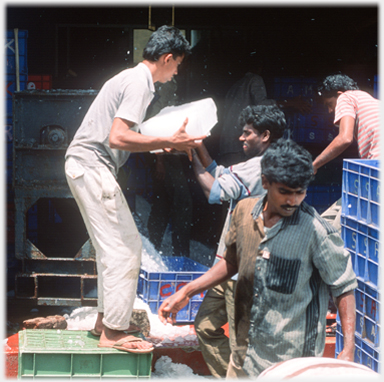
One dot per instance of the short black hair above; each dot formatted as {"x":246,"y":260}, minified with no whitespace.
{"x":336,"y":83}
{"x":264,"y":117}
{"x":288,"y":163}
{"x":165,"y":40}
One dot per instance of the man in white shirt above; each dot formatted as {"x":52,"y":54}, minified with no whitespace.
{"x":101,"y":145}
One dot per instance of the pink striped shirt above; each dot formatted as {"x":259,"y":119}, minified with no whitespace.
{"x":364,"y":109}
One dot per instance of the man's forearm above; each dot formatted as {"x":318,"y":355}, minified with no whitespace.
{"x":203,"y":154}
{"x":204,"y":178}
{"x":220,"y":272}
{"x":341,"y":142}
{"x":332,"y":151}
{"x":346,"y":306}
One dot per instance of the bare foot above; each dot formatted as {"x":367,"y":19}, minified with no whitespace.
{"x":99,"y":323}
{"x":109,"y":337}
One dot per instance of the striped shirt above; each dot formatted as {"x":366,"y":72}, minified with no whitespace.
{"x":364,"y":109}
{"x":283,"y":279}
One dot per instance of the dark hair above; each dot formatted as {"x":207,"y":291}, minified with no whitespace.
{"x":288,"y":163}
{"x":264,"y":117}
{"x":166,"y":40}
{"x":336,"y":83}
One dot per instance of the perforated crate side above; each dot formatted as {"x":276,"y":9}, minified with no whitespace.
{"x":75,"y":354}
{"x":365,"y":354}
{"x":362,"y":241}
{"x":361,"y":190}
{"x":155,"y":287}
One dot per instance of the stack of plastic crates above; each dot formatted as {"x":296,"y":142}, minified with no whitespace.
{"x":360,"y":232}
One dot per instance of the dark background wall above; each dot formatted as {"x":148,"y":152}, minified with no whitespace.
{"x":81,"y":47}
{"x":293,"y":40}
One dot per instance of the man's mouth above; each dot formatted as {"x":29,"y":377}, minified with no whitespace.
{"x":289,"y":208}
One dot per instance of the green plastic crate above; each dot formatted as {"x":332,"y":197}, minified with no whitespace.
{"x":74,"y":354}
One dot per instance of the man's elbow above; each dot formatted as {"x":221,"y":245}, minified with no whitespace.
{"x":114,"y":142}
{"x":348,"y":141}
{"x":345,"y":141}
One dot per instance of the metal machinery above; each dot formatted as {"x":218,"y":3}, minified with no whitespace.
{"x":58,"y":260}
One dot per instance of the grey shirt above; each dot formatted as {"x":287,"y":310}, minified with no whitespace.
{"x":233,"y":184}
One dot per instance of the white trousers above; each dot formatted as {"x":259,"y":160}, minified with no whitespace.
{"x":114,"y":235}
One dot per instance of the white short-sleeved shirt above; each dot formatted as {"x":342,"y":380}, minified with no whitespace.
{"x":126,"y":95}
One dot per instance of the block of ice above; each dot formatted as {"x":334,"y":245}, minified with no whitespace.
{"x":201,"y":114}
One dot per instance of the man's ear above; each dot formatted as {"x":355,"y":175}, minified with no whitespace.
{"x":266,"y":136}
{"x":264,"y":182}
{"x":167,"y":57}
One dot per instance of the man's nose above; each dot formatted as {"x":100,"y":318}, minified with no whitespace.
{"x":292,"y":200}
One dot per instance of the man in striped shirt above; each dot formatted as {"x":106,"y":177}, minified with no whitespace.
{"x":287,"y":259}
{"x":356,"y":114}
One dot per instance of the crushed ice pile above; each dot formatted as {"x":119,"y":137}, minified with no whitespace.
{"x":166,"y":369}
{"x":84,"y":318}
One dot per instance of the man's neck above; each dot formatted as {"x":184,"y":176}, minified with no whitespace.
{"x":152,"y":66}
{"x":270,"y":218}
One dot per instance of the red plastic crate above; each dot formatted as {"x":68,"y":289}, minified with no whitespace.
{"x":39,"y":81}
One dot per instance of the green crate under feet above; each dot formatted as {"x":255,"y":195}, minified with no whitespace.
{"x":74,"y":354}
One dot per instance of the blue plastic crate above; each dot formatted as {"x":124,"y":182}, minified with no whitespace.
{"x":315,"y":127}
{"x":367,"y":328}
{"x":372,"y":303}
{"x":362,"y":241}
{"x":360,"y":327}
{"x":290,"y":87}
{"x":361,"y":190}
{"x":10,"y":88}
{"x":10,"y":49}
{"x":322,"y":196}
{"x":329,"y":135}
{"x":367,"y":301}
{"x":154,"y":287}
{"x":310,"y":135}
{"x":365,"y":353}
